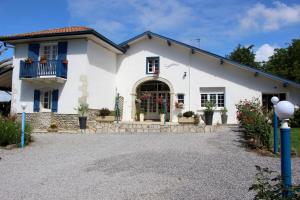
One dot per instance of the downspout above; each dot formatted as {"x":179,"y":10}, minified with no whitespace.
{"x":189,"y":66}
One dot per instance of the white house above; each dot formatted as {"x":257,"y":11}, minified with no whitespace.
{"x":83,"y":66}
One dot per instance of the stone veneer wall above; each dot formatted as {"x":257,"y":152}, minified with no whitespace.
{"x":43,"y":120}
{"x":69,"y":122}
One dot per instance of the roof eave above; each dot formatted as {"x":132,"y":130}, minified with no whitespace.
{"x":91,"y":31}
{"x":245,"y":67}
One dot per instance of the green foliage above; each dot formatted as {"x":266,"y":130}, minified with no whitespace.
{"x":224,"y":111}
{"x":209,"y":106}
{"x":269,"y":186}
{"x":295,"y":122}
{"x":286,"y":62}
{"x":10,"y":131}
{"x":253,"y":120}
{"x":104,"y":112}
{"x":188,"y":114}
{"x":82,"y":109}
{"x":244,"y":55}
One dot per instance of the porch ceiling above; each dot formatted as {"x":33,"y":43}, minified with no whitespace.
{"x":6,"y":80}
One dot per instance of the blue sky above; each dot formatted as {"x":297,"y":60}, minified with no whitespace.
{"x":220,"y":24}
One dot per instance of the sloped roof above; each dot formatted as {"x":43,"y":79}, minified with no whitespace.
{"x":72,"y":30}
{"x":54,"y":31}
{"x":284,"y":81}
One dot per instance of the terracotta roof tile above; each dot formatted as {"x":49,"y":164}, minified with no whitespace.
{"x":70,"y":29}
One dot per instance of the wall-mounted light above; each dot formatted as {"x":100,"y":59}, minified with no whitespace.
{"x":184,"y":75}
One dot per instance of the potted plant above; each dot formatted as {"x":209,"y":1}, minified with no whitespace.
{"x":53,"y":128}
{"x":106,"y":115}
{"x":28,"y":61}
{"x":179,"y":105}
{"x":64,"y":61}
{"x":162,"y":115}
{"x":209,"y":112}
{"x":142,"y":115}
{"x":82,"y":113}
{"x":43,"y":60}
{"x":224,"y":115}
{"x":186,"y":118}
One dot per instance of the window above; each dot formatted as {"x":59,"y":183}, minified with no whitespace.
{"x":180,"y":98}
{"x":266,"y":99}
{"x":49,"y":51}
{"x":214,"y":95}
{"x":152,"y":65}
{"x":46,"y":100}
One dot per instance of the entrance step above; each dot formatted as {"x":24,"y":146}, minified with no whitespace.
{"x":154,"y":128}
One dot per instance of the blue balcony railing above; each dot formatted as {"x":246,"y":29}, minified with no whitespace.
{"x":36,"y":69}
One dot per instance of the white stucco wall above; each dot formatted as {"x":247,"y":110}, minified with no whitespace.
{"x":202,"y":71}
{"x":101,"y":74}
{"x":91,"y":78}
{"x":97,"y":74}
{"x":69,"y":92}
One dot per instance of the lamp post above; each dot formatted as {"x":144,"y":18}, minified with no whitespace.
{"x":274,"y":101}
{"x":23,"y":106}
{"x":285,"y":110}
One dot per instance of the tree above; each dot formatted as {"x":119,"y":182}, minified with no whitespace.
{"x":244,"y":55}
{"x":286,"y":62}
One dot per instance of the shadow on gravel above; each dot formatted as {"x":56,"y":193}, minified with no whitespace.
{"x":196,"y":175}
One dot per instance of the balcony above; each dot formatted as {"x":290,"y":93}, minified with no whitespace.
{"x":49,"y":69}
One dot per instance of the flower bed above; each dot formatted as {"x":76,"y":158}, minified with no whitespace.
{"x":252,"y":118}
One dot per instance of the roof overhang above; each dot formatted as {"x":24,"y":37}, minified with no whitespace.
{"x":222,"y":60}
{"x":90,"y":34}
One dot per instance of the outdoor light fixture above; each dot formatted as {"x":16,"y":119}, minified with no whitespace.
{"x":285,"y":110}
{"x":23,"y":106}
{"x":275,"y":100}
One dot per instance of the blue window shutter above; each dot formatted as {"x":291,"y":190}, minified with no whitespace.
{"x":54,"y":100}
{"x":62,"y":50}
{"x":33,"y":51}
{"x":36,"y":101}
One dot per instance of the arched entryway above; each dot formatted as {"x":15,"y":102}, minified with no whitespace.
{"x":148,"y":95}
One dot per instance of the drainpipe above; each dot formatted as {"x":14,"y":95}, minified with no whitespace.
{"x":189,"y":66}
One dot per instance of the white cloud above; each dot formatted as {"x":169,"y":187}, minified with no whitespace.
{"x":261,"y":17}
{"x":113,"y":17}
{"x":264,"y":52}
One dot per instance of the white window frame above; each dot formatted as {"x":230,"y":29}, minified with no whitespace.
{"x":152,"y":59}
{"x":208,"y":98}
{"x":42,"y":98}
{"x":180,"y":100}
{"x":51,"y":45}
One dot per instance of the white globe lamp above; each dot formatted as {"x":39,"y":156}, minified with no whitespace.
{"x":285,"y":109}
{"x":274,"y":100}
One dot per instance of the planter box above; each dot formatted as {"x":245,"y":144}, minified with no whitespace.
{"x":105,"y":119}
{"x":186,"y":120}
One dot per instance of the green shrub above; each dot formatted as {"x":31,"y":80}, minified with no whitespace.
{"x":252,"y":118}
{"x":268,"y":185}
{"x":104,"y":112}
{"x":295,"y":122}
{"x":10,"y":131}
{"x":188,"y":114}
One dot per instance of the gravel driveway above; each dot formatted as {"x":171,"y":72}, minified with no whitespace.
{"x":132,"y":166}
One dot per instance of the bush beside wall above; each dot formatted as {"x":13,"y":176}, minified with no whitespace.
{"x":255,"y":122}
{"x":10,"y":131}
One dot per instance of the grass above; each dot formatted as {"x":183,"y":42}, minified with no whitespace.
{"x":295,"y":139}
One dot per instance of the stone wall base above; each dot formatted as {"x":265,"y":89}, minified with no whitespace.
{"x":41,"y":122}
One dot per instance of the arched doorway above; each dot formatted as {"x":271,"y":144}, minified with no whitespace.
{"x":151,"y":96}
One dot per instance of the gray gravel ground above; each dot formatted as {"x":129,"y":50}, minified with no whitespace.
{"x":132,"y":166}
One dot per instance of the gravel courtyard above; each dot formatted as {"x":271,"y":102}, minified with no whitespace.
{"x":132,"y":166}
